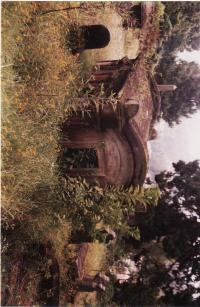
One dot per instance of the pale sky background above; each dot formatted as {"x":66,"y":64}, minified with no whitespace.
{"x":182,"y":142}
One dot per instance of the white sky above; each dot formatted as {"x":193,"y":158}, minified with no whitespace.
{"x":182,"y":142}
{"x":190,"y":56}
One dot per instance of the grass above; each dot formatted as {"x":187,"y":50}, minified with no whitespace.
{"x":35,"y":88}
{"x":39,"y":77}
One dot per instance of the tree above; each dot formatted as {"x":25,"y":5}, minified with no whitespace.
{"x":179,"y":31}
{"x":173,"y":226}
{"x":184,"y":32}
{"x":185,"y":100}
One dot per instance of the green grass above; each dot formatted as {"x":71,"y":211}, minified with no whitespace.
{"x":34,"y":91}
{"x":39,"y":77}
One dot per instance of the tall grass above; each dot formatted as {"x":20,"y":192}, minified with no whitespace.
{"x":38,"y":76}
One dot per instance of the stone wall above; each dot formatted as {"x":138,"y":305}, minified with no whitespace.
{"x":122,"y":42}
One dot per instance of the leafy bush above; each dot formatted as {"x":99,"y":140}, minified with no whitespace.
{"x":111,"y":205}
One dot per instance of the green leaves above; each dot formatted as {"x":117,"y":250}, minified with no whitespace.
{"x":185,"y":100}
{"x":110,"y":205}
{"x":182,"y":34}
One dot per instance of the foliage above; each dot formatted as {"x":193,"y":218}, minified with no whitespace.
{"x":179,"y":31}
{"x":75,"y":38}
{"x":179,"y":28}
{"x":71,"y":202}
{"x":184,"y":19}
{"x":111,"y":206}
{"x":105,"y":299}
{"x":181,"y":211}
{"x":40,"y":78}
{"x":185,"y":199}
{"x":169,"y":248}
{"x":79,"y":158}
{"x":185,"y":100}
{"x":153,"y":36}
{"x":135,"y":295}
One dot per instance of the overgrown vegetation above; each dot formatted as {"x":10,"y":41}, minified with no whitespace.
{"x":38,"y":73}
{"x":36,"y":81}
{"x":45,"y":216}
{"x":41,"y":212}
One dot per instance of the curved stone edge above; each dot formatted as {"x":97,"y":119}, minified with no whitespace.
{"x":140,"y":152}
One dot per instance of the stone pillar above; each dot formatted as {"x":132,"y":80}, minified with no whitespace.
{"x":166,"y":87}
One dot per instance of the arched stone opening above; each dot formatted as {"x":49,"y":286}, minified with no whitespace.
{"x":95,"y":36}
{"x":111,"y":161}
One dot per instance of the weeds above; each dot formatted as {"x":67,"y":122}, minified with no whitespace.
{"x":38,"y":74}
{"x":34,"y":92}
{"x":75,"y":41}
{"x":40,"y":78}
{"x":152,"y":57}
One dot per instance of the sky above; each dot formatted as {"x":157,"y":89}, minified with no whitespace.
{"x":182,"y":142}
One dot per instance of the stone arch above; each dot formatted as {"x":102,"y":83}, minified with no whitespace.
{"x":114,"y":155}
{"x":96,"y":36}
